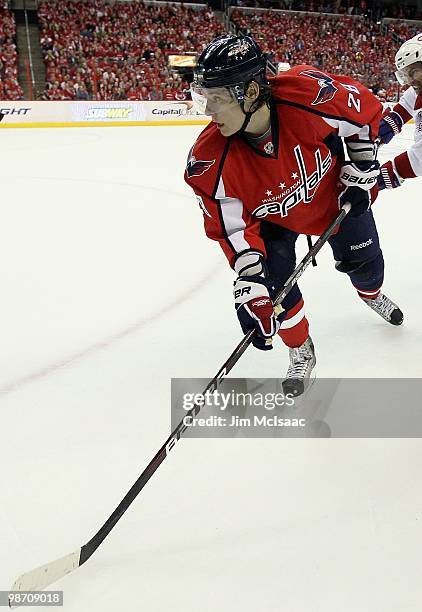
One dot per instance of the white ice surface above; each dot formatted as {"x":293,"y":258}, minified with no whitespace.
{"x":109,"y":289}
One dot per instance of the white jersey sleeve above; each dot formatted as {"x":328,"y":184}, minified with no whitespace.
{"x":415,"y":151}
{"x":407,"y":101}
{"x":409,"y":163}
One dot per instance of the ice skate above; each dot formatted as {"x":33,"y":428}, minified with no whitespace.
{"x":387,"y":309}
{"x":302,"y":362}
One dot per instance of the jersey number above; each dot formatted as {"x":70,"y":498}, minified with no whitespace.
{"x":351,"y":100}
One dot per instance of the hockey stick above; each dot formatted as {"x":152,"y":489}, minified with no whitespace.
{"x":45,"y":575}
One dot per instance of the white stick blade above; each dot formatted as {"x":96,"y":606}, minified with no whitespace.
{"x":39,"y":578}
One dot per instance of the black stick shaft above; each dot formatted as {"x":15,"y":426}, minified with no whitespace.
{"x":90,"y":547}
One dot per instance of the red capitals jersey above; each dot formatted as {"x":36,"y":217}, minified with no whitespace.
{"x":293,"y":181}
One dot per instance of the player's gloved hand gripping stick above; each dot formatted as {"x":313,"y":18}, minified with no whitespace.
{"x":45,"y":575}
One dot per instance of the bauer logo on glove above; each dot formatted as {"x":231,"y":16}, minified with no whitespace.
{"x":239,"y":292}
{"x":361,"y":174}
{"x":359,"y":177}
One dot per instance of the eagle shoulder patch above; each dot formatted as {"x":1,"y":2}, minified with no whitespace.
{"x":327,"y":90}
{"x":197,"y":167}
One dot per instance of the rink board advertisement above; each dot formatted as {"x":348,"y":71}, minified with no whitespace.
{"x":88,"y":114}
{"x":25,"y":114}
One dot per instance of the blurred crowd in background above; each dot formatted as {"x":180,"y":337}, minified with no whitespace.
{"x":369,"y":8}
{"x":342,"y":45}
{"x":9,"y":85}
{"x":120,"y":51}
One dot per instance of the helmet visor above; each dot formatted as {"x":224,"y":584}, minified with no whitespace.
{"x":402,"y":76}
{"x":409,"y":74}
{"x":213,"y":100}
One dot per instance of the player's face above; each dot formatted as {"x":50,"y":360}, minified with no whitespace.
{"x":415,"y":76}
{"x":220,"y":104}
{"x":229,"y":120}
{"x":412,"y":75}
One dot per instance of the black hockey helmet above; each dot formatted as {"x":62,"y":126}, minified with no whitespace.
{"x":230,"y":60}
{"x":223,"y":72}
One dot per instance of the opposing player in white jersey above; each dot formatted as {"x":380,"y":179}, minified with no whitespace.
{"x":409,"y":72}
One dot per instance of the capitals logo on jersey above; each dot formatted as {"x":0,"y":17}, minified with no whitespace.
{"x":302,"y":191}
{"x":327,"y":90}
{"x":198,"y":167}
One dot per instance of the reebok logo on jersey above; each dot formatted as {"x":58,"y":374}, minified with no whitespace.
{"x":327,"y":90}
{"x":304,"y":190}
{"x":198,"y":167}
{"x":362,"y":245}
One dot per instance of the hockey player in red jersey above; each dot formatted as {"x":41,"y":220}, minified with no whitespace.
{"x":271,"y":166}
{"x":409,"y":72}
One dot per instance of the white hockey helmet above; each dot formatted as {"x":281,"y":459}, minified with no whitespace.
{"x":409,"y":53}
